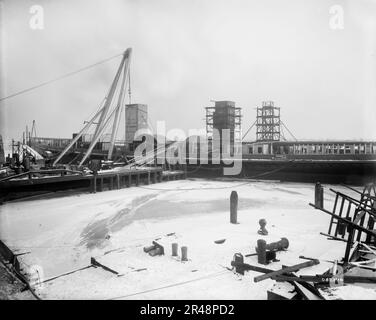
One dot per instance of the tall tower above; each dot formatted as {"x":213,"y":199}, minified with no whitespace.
{"x":224,"y":115}
{"x":268,"y":122}
{"x":136,"y":118}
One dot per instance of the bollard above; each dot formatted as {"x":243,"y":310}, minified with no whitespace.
{"x":95,"y":182}
{"x":234,"y":207}
{"x":184,"y":253}
{"x":262,"y":231}
{"x":261,"y":251}
{"x":319,"y":195}
{"x":322,"y":197}
{"x":174,"y":249}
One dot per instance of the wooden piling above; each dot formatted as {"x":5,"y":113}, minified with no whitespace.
{"x":95,"y":183}
{"x":184,"y":253}
{"x":234,"y":207}
{"x":319,"y":195}
{"x":129,"y":180}
{"x":174,"y":249}
{"x":148,"y":178}
{"x":137,"y":179}
{"x":118,"y":181}
{"x":261,"y":251}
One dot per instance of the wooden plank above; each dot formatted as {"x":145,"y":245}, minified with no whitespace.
{"x":97,"y":264}
{"x":330,"y":237}
{"x":246,"y":266}
{"x":296,"y":267}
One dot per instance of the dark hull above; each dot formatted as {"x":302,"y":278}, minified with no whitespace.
{"x":331,"y":171}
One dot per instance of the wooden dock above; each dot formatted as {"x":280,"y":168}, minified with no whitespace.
{"x":33,"y":182}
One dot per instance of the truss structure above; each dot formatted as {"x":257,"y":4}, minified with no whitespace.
{"x":268,"y":123}
{"x":109,"y":112}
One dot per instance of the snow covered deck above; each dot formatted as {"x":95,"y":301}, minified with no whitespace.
{"x":63,"y":233}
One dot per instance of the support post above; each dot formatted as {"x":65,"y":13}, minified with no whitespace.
{"x":184,"y":253}
{"x":95,"y":182}
{"x":174,"y":249}
{"x":234,"y":207}
{"x":319,"y":195}
{"x":261,"y":251}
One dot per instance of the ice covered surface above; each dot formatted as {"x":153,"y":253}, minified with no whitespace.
{"x":114,"y":226}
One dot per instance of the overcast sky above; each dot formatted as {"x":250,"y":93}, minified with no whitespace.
{"x":186,"y":53}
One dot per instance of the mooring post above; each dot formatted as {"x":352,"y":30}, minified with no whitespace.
{"x":95,"y":182}
{"x":137,"y":179}
{"x":148,"y":178}
{"x":234,"y":207}
{"x":174,"y":249}
{"x":319,"y":195}
{"x":184,"y":253}
{"x":129,"y":180}
{"x":261,"y":251}
{"x":118,"y":181}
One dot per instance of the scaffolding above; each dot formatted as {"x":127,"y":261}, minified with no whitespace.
{"x":268,"y":125}
{"x":224,"y":115}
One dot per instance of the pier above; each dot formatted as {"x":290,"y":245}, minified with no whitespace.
{"x":39,"y":181}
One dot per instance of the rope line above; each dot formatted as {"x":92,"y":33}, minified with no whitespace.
{"x":59,"y":78}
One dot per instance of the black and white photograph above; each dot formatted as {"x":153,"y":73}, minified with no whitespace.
{"x":198,"y":152}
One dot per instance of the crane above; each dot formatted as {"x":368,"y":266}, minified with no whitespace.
{"x":109,"y":112}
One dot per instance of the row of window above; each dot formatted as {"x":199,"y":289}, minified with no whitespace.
{"x":314,"y":149}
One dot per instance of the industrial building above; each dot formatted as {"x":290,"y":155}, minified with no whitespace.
{"x":224,"y":116}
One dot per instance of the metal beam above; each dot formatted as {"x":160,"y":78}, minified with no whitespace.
{"x":77,"y":137}
{"x":119,"y":105}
